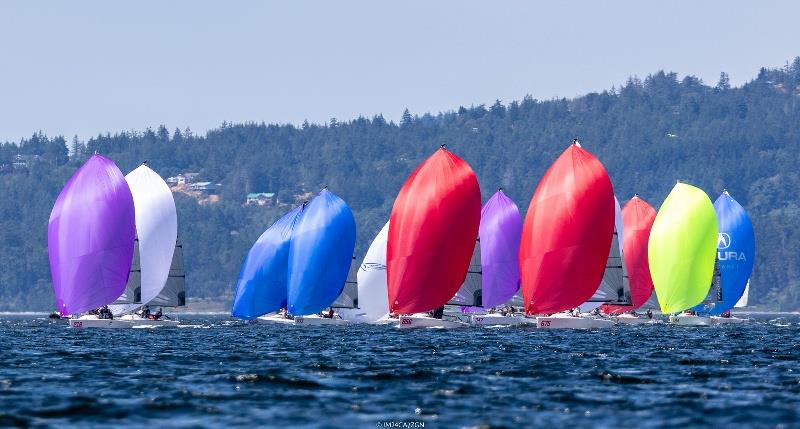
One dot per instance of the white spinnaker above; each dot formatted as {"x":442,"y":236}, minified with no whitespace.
{"x":373,"y":295}
{"x":742,"y":302}
{"x":615,"y":277}
{"x":157,"y":229}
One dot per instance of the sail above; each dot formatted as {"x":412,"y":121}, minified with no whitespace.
{"x":263,"y":279}
{"x":567,"y":233}
{"x":133,"y":288}
{"x":371,"y":279}
{"x":90,"y":237}
{"x":637,"y":220}
{"x":500,"y":232}
{"x":470,"y":293}
{"x":348,"y":299}
{"x":173,"y":294}
{"x":742,"y":302}
{"x":156,"y":232}
{"x":736,"y":248}
{"x":320,"y":254}
{"x":432,"y":233}
{"x":681,"y":250}
{"x":614,"y":286}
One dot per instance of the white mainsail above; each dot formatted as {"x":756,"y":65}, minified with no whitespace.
{"x":174,"y":292}
{"x":742,"y":302}
{"x":614,"y":287}
{"x":157,"y":232}
{"x":373,"y":302}
{"x":469,"y":294}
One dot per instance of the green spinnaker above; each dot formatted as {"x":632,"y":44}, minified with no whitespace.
{"x":682,"y":248}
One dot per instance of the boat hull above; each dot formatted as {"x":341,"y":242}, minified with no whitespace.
{"x":275,"y":318}
{"x":499,"y":320}
{"x":138,"y":321}
{"x":688,"y":320}
{"x":627,"y":319}
{"x":86,"y":323}
{"x":571,"y":322}
{"x":415,"y":321}
{"x":316,"y":320}
{"x":301,"y":320}
{"x":728,"y":320}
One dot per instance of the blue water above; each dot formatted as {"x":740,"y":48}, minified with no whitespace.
{"x":218,"y":371}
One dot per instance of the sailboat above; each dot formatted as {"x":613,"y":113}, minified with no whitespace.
{"x":566,"y":238}
{"x":614,"y":286}
{"x":158,"y":252}
{"x":320,"y":255}
{"x":735,"y":255}
{"x":637,"y":220}
{"x":432,"y":231}
{"x":499,"y":232}
{"x":373,"y":304}
{"x":90,"y":240}
{"x":682,"y":252}
{"x":263,"y":279}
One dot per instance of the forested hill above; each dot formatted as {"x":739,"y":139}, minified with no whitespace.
{"x":648,"y":133}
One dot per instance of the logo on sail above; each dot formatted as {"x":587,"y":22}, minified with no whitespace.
{"x":723,"y":241}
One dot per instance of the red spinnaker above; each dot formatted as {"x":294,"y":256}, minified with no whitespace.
{"x":432,"y":234}
{"x":637,"y":220}
{"x":567,"y":233}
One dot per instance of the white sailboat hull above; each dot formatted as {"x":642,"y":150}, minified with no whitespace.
{"x":317,"y":320}
{"x":565,"y":321}
{"x":424,"y":321}
{"x":313,"y":320}
{"x":139,"y":321}
{"x":629,"y":319}
{"x":275,"y":318}
{"x":728,"y":320}
{"x":500,"y":320}
{"x":85,"y":322}
{"x":689,"y":320}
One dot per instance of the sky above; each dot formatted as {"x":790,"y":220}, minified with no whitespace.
{"x":88,"y":67}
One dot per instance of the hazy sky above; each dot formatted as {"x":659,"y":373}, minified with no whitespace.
{"x":85,"y":67}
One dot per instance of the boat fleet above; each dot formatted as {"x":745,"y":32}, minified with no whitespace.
{"x":577,"y":260}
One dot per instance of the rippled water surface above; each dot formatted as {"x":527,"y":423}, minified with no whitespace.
{"x":215,"y":371}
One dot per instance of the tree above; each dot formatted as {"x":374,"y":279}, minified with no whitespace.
{"x":724,"y":83}
{"x":406,"y":119}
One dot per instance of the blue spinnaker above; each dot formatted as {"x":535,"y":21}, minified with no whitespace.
{"x":263,"y":281}
{"x":320,"y":254}
{"x":736,"y":251}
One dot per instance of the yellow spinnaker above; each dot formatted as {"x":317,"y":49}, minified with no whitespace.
{"x":682,"y":248}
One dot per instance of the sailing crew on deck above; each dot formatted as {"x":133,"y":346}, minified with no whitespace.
{"x":146,"y":312}
{"x":649,"y":313}
{"x":157,"y":315}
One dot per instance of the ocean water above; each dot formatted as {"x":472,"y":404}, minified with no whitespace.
{"x":217,"y":372}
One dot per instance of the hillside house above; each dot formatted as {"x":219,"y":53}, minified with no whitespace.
{"x":260,"y":199}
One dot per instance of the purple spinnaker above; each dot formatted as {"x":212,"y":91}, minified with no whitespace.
{"x":90,"y":237}
{"x":500,"y":233}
